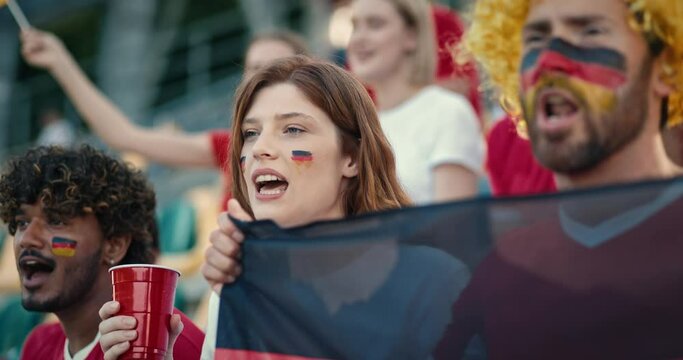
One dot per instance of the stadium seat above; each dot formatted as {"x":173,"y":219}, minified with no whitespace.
{"x":177,"y":227}
{"x":17,"y":323}
{"x":191,"y":286}
{"x":203,"y":204}
{"x":9,"y":278}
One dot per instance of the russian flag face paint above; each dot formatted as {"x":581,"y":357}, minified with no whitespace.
{"x":63,"y":247}
{"x":592,"y":74}
{"x":301,"y":157}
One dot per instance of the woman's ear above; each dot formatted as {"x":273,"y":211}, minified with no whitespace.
{"x":350,"y":169}
{"x":115,"y":249}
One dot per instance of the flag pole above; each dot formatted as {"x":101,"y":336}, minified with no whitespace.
{"x":18,"y":15}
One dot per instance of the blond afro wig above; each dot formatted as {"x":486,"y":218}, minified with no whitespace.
{"x":495,"y":39}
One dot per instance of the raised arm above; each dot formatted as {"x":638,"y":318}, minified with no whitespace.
{"x":44,"y":50}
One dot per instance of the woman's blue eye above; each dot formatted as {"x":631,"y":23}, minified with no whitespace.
{"x":249,"y":134}
{"x":294,"y":130}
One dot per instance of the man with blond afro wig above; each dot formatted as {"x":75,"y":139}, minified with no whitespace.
{"x":590,"y":82}
{"x":598,"y":274}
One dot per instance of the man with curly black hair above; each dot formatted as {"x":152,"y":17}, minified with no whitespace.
{"x":74,"y":214}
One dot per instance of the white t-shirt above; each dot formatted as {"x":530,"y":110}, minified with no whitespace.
{"x":84,"y":352}
{"x":434,"y":127}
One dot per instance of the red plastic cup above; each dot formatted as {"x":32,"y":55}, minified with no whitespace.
{"x":146,"y":292}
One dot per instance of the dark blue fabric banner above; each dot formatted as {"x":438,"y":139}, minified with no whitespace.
{"x":576,"y":275}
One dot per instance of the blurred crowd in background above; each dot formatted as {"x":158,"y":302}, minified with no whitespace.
{"x":172,"y":68}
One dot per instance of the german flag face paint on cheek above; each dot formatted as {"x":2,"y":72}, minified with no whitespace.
{"x":592,"y":74}
{"x":596,"y":99}
{"x":302,"y":157}
{"x":63,"y":247}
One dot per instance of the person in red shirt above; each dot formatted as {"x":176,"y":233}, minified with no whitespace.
{"x":198,"y":150}
{"x":74,"y":214}
{"x":559,"y":288}
{"x":511,"y":165}
{"x":593,"y":82}
{"x":461,"y":78}
{"x":49,"y":341}
{"x":514,"y":171}
{"x":592,"y":99}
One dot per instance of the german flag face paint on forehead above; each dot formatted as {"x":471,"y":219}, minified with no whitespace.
{"x":63,"y":247}
{"x":599,"y":66}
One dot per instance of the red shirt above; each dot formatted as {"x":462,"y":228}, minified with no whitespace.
{"x":46,"y":342}
{"x":543,"y":295}
{"x":512,"y":167}
{"x":220,"y":147}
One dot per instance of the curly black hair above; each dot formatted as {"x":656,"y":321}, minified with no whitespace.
{"x":72,"y":183}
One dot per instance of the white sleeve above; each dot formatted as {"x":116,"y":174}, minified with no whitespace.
{"x":457,"y":136}
{"x":209,"y":346}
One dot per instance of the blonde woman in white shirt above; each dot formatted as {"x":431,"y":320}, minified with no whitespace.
{"x":435,"y":134}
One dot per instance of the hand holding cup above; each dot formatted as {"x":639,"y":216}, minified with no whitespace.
{"x":139,"y":323}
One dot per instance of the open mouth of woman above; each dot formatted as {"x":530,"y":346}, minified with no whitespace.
{"x":270,"y":185}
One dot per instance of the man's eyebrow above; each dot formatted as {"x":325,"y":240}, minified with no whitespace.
{"x":573,"y":20}
{"x":582,"y":20}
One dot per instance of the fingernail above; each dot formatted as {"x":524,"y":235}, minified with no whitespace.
{"x":129,"y":321}
{"x":131,"y":334}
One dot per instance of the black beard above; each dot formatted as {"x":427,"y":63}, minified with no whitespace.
{"x":80,"y":281}
{"x":607,"y":135}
